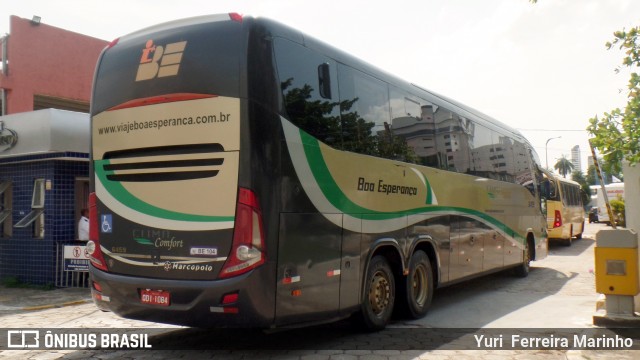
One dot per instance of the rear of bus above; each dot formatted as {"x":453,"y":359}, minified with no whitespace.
{"x":177,"y":232}
{"x":565,"y":211}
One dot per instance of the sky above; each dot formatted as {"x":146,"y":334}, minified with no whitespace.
{"x":541,"y":68}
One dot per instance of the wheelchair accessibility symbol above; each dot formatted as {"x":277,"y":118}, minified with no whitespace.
{"x":106,"y":224}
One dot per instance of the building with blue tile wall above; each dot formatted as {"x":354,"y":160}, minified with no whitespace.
{"x":52,"y":145}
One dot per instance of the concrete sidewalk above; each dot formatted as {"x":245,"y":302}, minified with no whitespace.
{"x":16,"y":299}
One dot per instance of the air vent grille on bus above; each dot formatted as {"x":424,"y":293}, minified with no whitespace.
{"x":172,"y":169}
{"x":164,"y":150}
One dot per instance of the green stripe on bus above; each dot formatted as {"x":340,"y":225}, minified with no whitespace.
{"x":125,"y":197}
{"x":334,"y":194}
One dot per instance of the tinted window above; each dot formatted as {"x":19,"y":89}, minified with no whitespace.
{"x":484,"y":156}
{"x":364,"y":108}
{"x":506,"y":170}
{"x":452,"y":139}
{"x":412,"y":120}
{"x":553,"y":190}
{"x":366,"y":117}
{"x":571,"y":195}
{"x":364,"y":97}
{"x":521,"y":162}
{"x":209,"y":63}
{"x":303,"y":103}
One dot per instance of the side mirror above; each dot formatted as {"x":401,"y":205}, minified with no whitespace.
{"x":324,"y":80}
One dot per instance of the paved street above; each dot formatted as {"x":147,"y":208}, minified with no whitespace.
{"x":559,"y":293}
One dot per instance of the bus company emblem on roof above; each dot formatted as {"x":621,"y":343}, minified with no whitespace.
{"x":160,"y":61}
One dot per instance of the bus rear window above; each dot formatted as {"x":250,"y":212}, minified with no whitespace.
{"x":198,"y":57}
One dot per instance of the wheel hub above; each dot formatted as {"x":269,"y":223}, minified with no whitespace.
{"x":379,"y":293}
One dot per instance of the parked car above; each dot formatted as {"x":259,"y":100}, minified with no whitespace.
{"x":593,"y":215}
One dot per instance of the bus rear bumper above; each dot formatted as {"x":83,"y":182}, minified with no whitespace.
{"x":192,"y":303}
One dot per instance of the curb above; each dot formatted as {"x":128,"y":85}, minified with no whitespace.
{"x":52,"y":306}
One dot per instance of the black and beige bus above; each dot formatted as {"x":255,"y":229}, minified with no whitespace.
{"x":245,"y":174}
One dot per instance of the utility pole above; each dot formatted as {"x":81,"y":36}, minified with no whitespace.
{"x":604,"y":191}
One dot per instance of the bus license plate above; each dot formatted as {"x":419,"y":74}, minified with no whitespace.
{"x":155,"y":297}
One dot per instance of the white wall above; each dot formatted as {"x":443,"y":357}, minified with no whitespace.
{"x":632,"y":204}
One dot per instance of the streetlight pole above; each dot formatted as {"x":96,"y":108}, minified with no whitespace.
{"x":546,"y":152}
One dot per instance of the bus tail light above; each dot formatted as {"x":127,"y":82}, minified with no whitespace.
{"x":236,"y":17}
{"x":247,"y":249}
{"x":113,"y":43}
{"x":93,"y":245}
{"x":557,"y":221}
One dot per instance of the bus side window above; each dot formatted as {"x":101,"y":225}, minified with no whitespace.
{"x":364,"y":109}
{"x":487,"y":158}
{"x":552,"y":190}
{"x":412,"y":121}
{"x":306,"y":91}
{"x":452,"y":140}
{"x":567,"y":195}
{"x":543,"y":188}
{"x":505,"y":157}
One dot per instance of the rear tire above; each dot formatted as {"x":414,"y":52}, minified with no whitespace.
{"x":523,"y":269}
{"x":568,"y":241}
{"x":419,"y":285}
{"x":379,"y":295}
{"x":579,"y":236}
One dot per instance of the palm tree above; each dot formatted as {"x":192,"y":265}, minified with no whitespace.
{"x":564,"y":166}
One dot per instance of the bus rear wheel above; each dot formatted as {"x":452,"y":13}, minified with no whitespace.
{"x":419,"y":285}
{"x":579,"y":236}
{"x":379,"y":295}
{"x":523,"y":269}
{"x":568,"y":241}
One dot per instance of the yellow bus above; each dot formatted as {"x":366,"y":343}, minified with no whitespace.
{"x":565,"y":210}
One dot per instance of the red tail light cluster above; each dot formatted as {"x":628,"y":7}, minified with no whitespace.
{"x":557,"y":220}
{"x":93,"y":245}
{"x":236,"y":17}
{"x":247,"y":249}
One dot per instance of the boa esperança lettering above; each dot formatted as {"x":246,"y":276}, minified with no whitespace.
{"x":386,"y":188}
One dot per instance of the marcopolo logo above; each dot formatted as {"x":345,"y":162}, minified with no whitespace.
{"x":169,"y":266}
{"x":160,"y":61}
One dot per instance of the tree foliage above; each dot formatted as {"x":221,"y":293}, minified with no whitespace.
{"x":617,"y":133}
{"x":607,"y":173}
{"x":585,"y":194}
{"x":618,"y":209}
{"x":564,"y":166}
